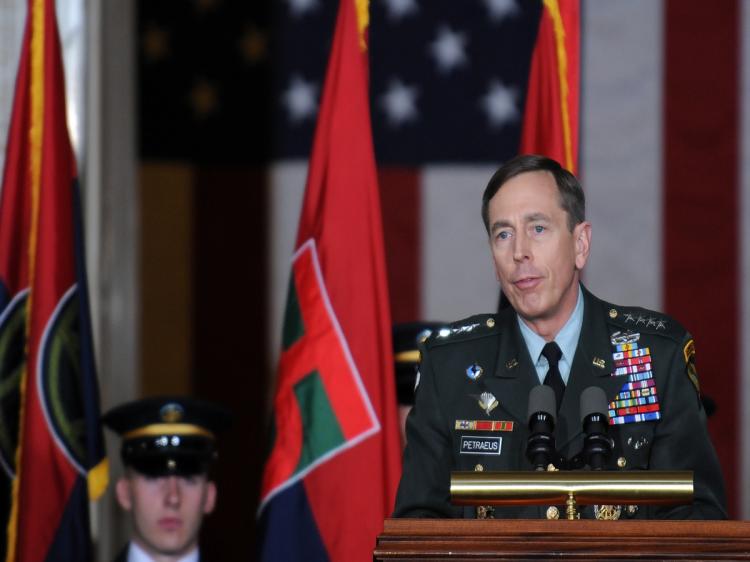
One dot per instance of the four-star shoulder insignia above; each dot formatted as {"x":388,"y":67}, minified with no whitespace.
{"x":651,"y":320}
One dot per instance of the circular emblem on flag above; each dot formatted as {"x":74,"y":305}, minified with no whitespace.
{"x":60,"y":380}
{"x":12,"y":363}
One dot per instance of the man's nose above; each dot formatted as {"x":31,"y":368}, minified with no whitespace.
{"x":521,"y":249}
{"x":173,"y":494}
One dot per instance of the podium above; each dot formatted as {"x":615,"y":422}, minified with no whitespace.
{"x":581,"y":540}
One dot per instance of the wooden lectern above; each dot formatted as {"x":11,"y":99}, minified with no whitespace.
{"x":582,"y":540}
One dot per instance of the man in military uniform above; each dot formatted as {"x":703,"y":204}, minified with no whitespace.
{"x":168,"y":446}
{"x":476,"y":375}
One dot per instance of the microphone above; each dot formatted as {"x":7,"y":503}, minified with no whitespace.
{"x":540,"y":448}
{"x":597,"y":445}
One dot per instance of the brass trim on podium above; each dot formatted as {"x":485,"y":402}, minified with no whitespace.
{"x":587,"y":487}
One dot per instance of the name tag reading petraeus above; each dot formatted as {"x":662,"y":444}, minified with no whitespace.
{"x":471,"y":445}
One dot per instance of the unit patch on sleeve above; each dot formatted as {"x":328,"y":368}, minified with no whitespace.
{"x":689,"y":352}
{"x":637,"y":400}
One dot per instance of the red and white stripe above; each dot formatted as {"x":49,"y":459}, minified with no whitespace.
{"x":663,"y":135}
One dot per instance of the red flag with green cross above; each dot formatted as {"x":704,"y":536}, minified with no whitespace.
{"x":335,"y":461}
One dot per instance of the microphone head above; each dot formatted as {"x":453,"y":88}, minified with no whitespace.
{"x":542,"y":399}
{"x":593,"y":401}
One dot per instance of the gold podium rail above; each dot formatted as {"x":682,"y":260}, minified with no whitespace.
{"x":572,"y":488}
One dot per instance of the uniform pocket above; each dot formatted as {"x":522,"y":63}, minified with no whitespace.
{"x":634,"y":446}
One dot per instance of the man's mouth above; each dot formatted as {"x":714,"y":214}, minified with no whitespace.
{"x":527,"y":283}
{"x":170,"y":523}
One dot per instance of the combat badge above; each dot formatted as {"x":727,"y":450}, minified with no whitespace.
{"x":689,"y":352}
{"x":620,"y":338}
{"x":487,"y":402}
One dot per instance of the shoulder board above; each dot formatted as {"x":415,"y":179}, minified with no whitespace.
{"x":480,"y":325}
{"x":638,"y":319}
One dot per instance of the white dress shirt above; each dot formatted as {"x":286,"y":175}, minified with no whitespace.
{"x":137,"y":554}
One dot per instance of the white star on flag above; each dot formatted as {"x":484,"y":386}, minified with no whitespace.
{"x":299,"y":8}
{"x":500,"y":104}
{"x":449,"y":49}
{"x":399,"y":9}
{"x":500,"y":9}
{"x":399,"y":103}
{"x":299,"y":99}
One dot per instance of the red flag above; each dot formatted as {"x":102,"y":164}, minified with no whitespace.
{"x":57,"y":463}
{"x":332,"y":474}
{"x":550,"y":123}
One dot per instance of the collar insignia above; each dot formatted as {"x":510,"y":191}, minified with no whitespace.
{"x":474,"y":371}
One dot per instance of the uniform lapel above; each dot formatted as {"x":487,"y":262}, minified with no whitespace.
{"x":592,"y":366}
{"x":514,"y":374}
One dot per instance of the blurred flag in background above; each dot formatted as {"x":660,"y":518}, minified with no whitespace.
{"x":51,"y":447}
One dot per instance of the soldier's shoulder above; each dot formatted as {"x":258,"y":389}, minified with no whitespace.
{"x":644,"y":320}
{"x":465,"y":330}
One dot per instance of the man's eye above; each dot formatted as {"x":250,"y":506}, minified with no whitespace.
{"x":538,"y":228}
{"x":503,"y":235}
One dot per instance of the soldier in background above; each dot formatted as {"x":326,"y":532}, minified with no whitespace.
{"x":406,"y":338}
{"x":168,"y":447}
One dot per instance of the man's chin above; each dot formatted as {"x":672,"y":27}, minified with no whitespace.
{"x":169,"y":546}
{"x":529,"y":307}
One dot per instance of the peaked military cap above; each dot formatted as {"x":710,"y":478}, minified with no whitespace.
{"x":166,"y":435}
{"x":406,"y":338}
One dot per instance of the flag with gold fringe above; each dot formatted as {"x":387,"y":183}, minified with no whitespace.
{"x":550,"y":122}
{"x":51,"y":447}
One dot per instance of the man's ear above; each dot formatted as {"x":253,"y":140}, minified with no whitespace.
{"x":582,"y":237}
{"x":122,"y":491}
{"x":210,"y":502}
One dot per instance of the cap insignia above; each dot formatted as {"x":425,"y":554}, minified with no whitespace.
{"x":171,"y":413}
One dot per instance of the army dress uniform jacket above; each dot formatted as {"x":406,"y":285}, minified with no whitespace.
{"x":479,"y":370}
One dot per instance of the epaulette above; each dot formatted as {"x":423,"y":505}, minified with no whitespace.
{"x":639,"y":319}
{"x":480,"y":325}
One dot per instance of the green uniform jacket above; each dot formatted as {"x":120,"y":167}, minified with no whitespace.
{"x":447,"y":398}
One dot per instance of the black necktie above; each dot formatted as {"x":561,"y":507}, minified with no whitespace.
{"x":553,"y":379}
